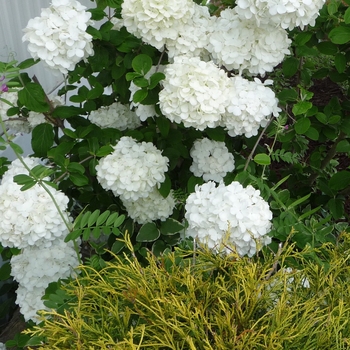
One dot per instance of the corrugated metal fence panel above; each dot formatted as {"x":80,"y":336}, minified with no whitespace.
{"x":14,"y":16}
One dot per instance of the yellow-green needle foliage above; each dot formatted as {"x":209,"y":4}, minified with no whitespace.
{"x":199,"y":300}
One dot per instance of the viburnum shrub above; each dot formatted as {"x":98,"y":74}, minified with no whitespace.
{"x":176,"y":121}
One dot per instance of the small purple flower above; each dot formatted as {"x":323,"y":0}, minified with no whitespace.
{"x":4,"y":88}
{"x":286,"y":127}
{"x":2,"y":78}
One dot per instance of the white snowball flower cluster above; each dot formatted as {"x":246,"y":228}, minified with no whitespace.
{"x":193,"y":36}
{"x":156,"y":21}
{"x":58,"y":37}
{"x":238,"y":43}
{"x":144,"y":111}
{"x":211,"y":159}
{"x":251,"y":104}
{"x":35,"y":118}
{"x":230,"y":215}
{"x":153,"y":207}
{"x":194,"y":92}
{"x":133,"y":169}
{"x":286,"y":13}
{"x":2,"y":346}
{"x":116,"y":116}
{"x":35,"y":267}
{"x":14,"y":123}
{"x":30,"y":217}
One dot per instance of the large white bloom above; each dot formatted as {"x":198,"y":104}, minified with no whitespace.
{"x":193,"y":36}
{"x":240,"y":44}
{"x":133,"y":169}
{"x":228,"y":215}
{"x":194,"y":92}
{"x":35,"y":267}
{"x":116,"y":116}
{"x":15,"y":123}
{"x":156,"y":21}
{"x":211,"y":159}
{"x":251,"y":106}
{"x":286,"y":13}
{"x":58,"y":37}
{"x":30,"y":217}
{"x":153,"y":207}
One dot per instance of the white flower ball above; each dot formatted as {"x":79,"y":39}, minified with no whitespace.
{"x":58,"y":37}
{"x":153,"y":207}
{"x":228,"y":215}
{"x":211,"y":160}
{"x":133,"y":169}
{"x":193,"y":36}
{"x":15,"y":123}
{"x":286,"y":13}
{"x":30,"y":217}
{"x":36,"y":266}
{"x":116,"y":116}
{"x":194,"y":92}
{"x":240,"y":44}
{"x":251,"y":105}
{"x":156,"y":21}
{"x":2,"y":346}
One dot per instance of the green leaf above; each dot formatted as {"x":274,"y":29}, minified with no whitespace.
{"x":262,"y":159}
{"x":112,"y":218}
{"x":67,"y":111}
{"x":74,"y":167}
{"x":339,"y":35}
{"x":340,"y":62}
{"x":95,"y":92}
{"x":334,"y":119}
{"x":302,"y":125}
{"x":301,"y":107}
{"x":163,"y":125}
{"x":34,"y":98}
{"x":347,"y":16}
{"x":84,"y":219}
{"x":93,"y":217}
{"x":155,"y":79}
{"x":336,"y":207}
{"x":23,"y":179}
{"x":148,"y":233}
{"x":17,"y":148}
{"x":299,"y":201}
{"x":302,"y":38}
{"x":339,"y":180}
{"x":192,"y":182}
{"x":42,"y":139}
{"x":216,"y":134}
{"x":312,"y":134}
{"x":102,"y":218}
{"x":142,"y":64}
{"x":140,"y":95}
{"x":158,"y":247}
{"x":118,"y":221}
{"x":321,"y":117}
{"x":332,"y":7}
{"x":117,"y":246}
{"x":73,"y":235}
{"x":290,"y":66}
{"x":5,"y":271}
{"x":141,"y":82}
{"x":78,"y":179}
{"x":165,"y":187}
{"x":327,"y":48}
{"x":95,"y":33}
{"x":343,"y":146}
{"x":170,"y":226}
{"x":104,"y":151}
{"x":27,"y":63}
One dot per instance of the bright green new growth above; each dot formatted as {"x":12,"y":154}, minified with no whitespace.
{"x":198,"y":300}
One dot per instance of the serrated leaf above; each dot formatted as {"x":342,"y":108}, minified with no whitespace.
{"x":102,"y":218}
{"x":42,"y":139}
{"x":142,"y":64}
{"x":140,"y":95}
{"x":171,"y":226}
{"x":301,"y":107}
{"x":339,"y":180}
{"x":78,"y":179}
{"x":148,"y":233}
{"x":262,"y":159}
{"x":93,"y":217}
{"x":339,"y":35}
{"x":34,"y":98}
{"x":302,"y":125}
